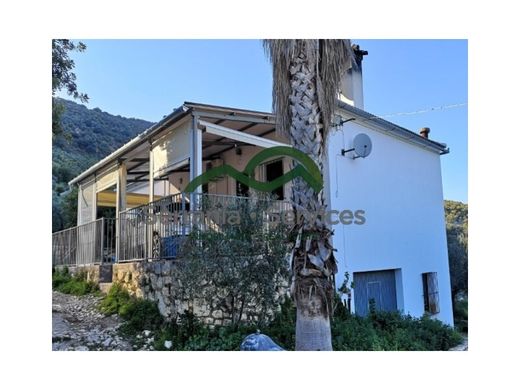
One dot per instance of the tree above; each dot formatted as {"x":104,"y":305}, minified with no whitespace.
{"x":306,"y":79}
{"x":63,"y":78}
{"x":239,"y":267}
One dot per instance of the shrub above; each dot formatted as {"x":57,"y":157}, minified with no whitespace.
{"x":189,"y":334}
{"x":460,"y":314}
{"x":387,"y":331}
{"x":392,"y":331}
{"x":138,"y":314}
{"x":354,"y":334}
{"x":60,"y":277}
{"x":115,"y":300}
{"x":238,"y":267}
{"x":77,"y":284}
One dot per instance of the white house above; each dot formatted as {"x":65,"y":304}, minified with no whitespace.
{"x":399,"y":255}
{"x":397,"y":259}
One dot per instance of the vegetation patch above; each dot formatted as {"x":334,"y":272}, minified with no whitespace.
{"x":379,"y":331}
{"x":138,"y":314}
{"x":77,"y":284}
{"x":460,"y":313}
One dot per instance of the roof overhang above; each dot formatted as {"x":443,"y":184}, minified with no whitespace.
{"x":227,"y":128}
{"x":392,"y":129}
{"x":248,"y":125}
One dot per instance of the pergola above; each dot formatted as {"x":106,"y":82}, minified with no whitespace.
{"x":139,"y":172}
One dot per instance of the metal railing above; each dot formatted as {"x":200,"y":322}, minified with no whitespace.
{"x":157,"y":229}
{"x":90,"y":243}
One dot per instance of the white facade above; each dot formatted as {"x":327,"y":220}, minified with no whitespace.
{"x":399,"y":186}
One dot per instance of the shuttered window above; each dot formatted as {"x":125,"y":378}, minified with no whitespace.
{"x":431,"y":292}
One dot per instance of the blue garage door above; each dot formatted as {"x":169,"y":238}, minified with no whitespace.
{"x":376,"y":285}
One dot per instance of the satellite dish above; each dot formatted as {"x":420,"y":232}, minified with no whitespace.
{"x":361,"y":148}
{"x":362,"y":145}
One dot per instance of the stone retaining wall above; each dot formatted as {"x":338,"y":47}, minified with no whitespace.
{"x":156,"y":281}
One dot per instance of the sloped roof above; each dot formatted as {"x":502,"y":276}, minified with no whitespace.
{"x":259,"y":117}
{"x":393,"y":129}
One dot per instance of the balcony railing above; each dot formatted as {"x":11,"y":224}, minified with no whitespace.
{"x":152,"y":231}
{"x":157,"y":229}
{"x":90,"y":243}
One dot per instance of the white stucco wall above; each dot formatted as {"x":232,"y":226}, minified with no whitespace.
{"x":400,"y":188}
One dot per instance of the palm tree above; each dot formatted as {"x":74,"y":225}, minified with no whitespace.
{"x":306,"y":79}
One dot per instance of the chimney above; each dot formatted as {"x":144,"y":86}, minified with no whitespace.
{"x":424,"y":132}
{"x":352,"y":82}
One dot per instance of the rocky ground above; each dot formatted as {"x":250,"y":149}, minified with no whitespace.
{"x":77,"y":325}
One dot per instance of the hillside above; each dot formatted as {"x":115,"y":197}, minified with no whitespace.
{"x":90,"y":135}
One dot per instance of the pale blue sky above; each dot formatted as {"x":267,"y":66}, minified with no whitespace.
{"x":149,"y":78}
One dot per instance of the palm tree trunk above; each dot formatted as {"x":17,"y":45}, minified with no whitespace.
{"x":312,"y":282}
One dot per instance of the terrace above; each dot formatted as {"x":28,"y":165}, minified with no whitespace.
{"x":132,"y":205}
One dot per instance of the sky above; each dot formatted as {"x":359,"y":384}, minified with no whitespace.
{"x":413,"y":83}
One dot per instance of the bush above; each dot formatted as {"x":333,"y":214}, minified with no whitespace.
{"x":392,"y":331}
{"x":460,"y":314}
{"x":238,"y":267}
{"x":66,"y":283}
{"x":116,"y":299}
{"x":138,"y":314}
{"x":60,"y":277}
{"x":380,"y":331}
{"x":189,"y":334}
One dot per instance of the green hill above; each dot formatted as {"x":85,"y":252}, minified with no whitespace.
{"x":89,"y":135}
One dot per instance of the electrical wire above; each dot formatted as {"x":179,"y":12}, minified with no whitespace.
{"x":407,"y":113}
{"x":422,"y":111}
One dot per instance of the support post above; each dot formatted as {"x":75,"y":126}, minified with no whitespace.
{"x":151,"y":191}
{"x":94,"y":199}
{"x":195,"y":157}
{"x":120,"y":204}
{"x":80,"y":194}
{"x":150,"y":174}
{"x":102,"y":240}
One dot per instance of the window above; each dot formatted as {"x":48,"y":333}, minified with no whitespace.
{"x":430,"y":292}
{"x":274,"y":170}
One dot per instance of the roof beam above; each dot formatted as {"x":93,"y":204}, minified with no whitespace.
{"x":136,"y":172}
{"x":244,"y":128}
{"x":239,"y":136}
{"x":217,"y":154}
{"x":265,"y":119}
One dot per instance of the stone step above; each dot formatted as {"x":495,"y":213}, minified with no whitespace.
{"x":105,"y":287}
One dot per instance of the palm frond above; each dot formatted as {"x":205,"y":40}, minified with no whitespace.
{"x":330,"y":58}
